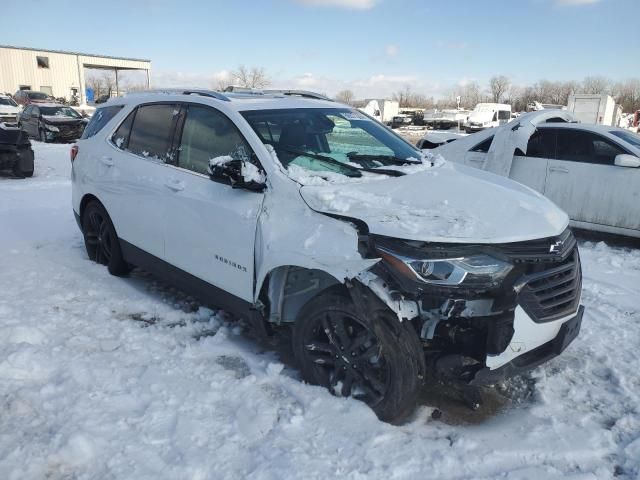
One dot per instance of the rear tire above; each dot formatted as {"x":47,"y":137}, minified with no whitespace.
{"x":101,"y":240}
{"x":373,"y":358}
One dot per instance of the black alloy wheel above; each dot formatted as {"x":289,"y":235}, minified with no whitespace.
{"x":101,"y":240}
{"x":349,"y":355}
{"x":371,"y":357}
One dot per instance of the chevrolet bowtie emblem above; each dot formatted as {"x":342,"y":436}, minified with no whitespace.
{"x":556,"y":247}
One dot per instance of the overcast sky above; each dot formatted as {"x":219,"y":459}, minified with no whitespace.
{"x":373,"y":47}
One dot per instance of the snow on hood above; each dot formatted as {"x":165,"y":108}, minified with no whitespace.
{"x":452,"y":203}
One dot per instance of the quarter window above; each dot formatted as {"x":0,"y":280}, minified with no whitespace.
{"x":484,"y":146}
{"x":152,"y":131}
{"x":586,"y":147}
{"x":208,"y":134}
{"x":120,"y":137}
{"x":99,"y":119}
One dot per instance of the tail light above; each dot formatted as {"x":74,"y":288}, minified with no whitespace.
{"x":74,"y":152}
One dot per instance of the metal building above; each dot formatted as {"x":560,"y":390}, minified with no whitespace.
{"x":57,"y":73}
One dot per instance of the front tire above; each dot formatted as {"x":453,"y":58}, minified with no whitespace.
{"x":101,"y":240}
{"x":373,"y":357}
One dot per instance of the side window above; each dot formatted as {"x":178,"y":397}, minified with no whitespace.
{"x":208,"y":134}
{"x":484,"y":146}
{"x":586,"y":147}
{"x":99,"y":119}
{"x":120,"y":137}
{"x":152,"y":131}
{"x":504,"y":115}
{"x":495,"y":117}
{"x":542,"y":144}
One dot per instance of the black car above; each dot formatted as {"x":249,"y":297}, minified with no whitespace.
{"x":16,"y":154}
{"x":51,"y":122}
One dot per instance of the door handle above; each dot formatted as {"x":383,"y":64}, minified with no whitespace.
{"x":175,"y":185}
{"x":108,"y":161}
{"x":558,"y":169}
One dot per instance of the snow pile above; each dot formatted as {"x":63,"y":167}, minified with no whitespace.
{"x":102,"y":377}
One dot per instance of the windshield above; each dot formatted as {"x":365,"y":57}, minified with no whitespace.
{"x":338,"y":140}
{"x":8,"y":101}
{"x":59,"y":112}
{"x":629,"y":137}
{"x":37,"y":95}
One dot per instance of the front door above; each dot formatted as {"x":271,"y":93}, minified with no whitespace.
{"x":211,"y":227}
{"x":585,"y":182}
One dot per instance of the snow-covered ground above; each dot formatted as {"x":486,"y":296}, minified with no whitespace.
{"x":108,"y":378}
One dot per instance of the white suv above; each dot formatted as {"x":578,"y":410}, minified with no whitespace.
{"x":292,"y":211}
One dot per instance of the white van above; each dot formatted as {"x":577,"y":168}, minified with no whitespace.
{"x":487,"y":115}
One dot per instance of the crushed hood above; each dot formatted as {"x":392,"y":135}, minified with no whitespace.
{"x":452,"y":203}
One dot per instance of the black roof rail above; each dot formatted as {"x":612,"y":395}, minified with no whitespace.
{"x":208,"y":93}
{"x":182,"y":91}
{"x":299,"y":93}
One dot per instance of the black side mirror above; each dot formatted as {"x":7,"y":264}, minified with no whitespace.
{"x":238,"y":174}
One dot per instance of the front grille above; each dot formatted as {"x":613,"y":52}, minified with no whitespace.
{"x":545,"y":250}
{"x":554,"y":293}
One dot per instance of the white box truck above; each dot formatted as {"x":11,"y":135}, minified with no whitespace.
{"x":382,"y":110}
{"x":594,"y":108}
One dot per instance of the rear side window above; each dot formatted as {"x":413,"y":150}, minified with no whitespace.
{"x":152,"y":131}
{"x":542,"y":144}
{"x":484,"y":146}
{"x":208,"y":134}
{"x":99,"y":119}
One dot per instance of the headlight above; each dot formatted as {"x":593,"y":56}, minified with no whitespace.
{"x":51,"y":128}
{"x":478,"y":270}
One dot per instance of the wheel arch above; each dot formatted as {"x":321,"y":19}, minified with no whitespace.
{"x":286,"y":289}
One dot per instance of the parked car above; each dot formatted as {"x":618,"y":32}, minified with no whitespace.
{"x":296,"y":212}
{"x":102,"y":99}
{"x":488,"y":115}
{"x":590,"y":171}
{"x":401,"y":120}
{"x":8,"y":109}
{"x":16,"y":154}
{"x":27,"y":97}
{"x":49,"y":122}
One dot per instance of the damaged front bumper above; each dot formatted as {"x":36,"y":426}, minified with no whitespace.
{"x":525,"y":353}
{"x":482,"y":336}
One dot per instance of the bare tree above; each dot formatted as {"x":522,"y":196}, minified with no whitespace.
{"x":627,"y":94}
{"x":595,"y":85}
{"x":253,"y":77}
{"x":345,"y":96}
{"x":498,"y":85}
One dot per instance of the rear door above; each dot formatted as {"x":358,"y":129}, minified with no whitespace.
{"x":531,"y":170}
{"x":211,"y":226}
{"x":135,"y":175}
{"x":585,"y":182}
